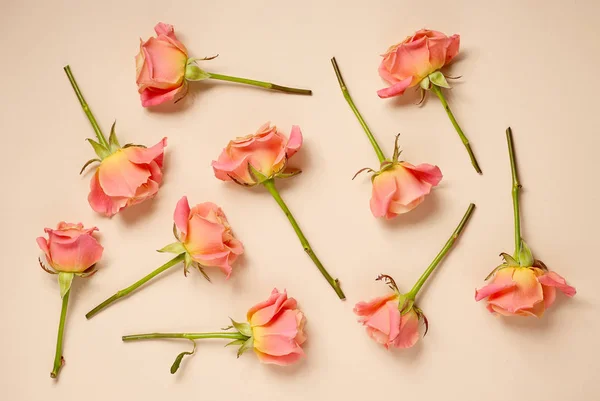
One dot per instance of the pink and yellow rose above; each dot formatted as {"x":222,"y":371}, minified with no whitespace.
{"x":206,"y":235}
{"x":407,"y":63}
{"x":160,"y":67}
{"x":267,"y":151}
{"x":523,"y":291}
{"x":127,"y":177}
{"x":70,"y":248}
{"x":277,"y":329}
{"x":386,"y":324}
{"x":402,"y":187}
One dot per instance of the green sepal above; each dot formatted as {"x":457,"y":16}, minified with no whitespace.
{"x":176,"y":248}
{"x":438,"y":79}
{"x":502,"y":266}
{"x":525,"y":255}
{"x":248,"y":344}
{"x":195,"y":73}
{"x":405,"y":303}
{"x":180,"y":357}
{"x":242,"y":328}
{"x":112,"y":139}
{"x":235,"y":342}
{"x":289,"y":174}
{"x":509,"y":260}
{"x":425,"y":84}
{"x":100,"y":150}
{"x":88,"y":163}
{"x":64,"y":281}
{"x":129,"y":145}
{"x":256,"y":175}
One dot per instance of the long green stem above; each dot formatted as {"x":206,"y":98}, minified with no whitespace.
{"x":58,"y":358}
{"x":435,"y":89}
{"x":334,"y":283}
{"x":262,"y":84}
{"x":134,"y":286}
{"x":516,"y":186}
{"x":86,"y":108}
{"x":417,"y":287}
{"x":361,"y":120}
{"x":188,"y":336}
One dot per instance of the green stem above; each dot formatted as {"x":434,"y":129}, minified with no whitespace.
{"x":334,"y":283}
{"x":134,"y":286}
{"x":58,"y":358}
{"x":435,"y":89}
{"x":417,"y":287}
{"x":515,"y":191}
{"x":188,"y":336}
{"x":361,"y":120}
{"x":262,"y":84}
{"x":86,"y":108}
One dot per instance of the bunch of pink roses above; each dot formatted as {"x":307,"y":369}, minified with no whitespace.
{"x":275,"y":329}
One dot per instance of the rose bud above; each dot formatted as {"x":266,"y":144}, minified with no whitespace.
{"x":127,"y":175}
{"x":386,"y":325}
{"x":521,"y":285}
{"x":523,"y":291}
{"x":204,"y":239}
{"x":71,"y":250}
{"x":206,"y":235}
{"x":416,"y":62}
{"x":160,"y":67}
{"x":267,"y":151}
{"x":393,"y":320}
{"x":401,"y":187}
{"x":275,"y":330}
{"x":409,"y":62}
{"x":163,"y":70}
{"x":260,"y":159}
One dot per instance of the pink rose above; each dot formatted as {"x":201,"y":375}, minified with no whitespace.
{"x":267,"y":151}
{"x":70,"y":248}
{"x":402,"y":187}
{"x":405,"y":64}
{"x":277,"y":329}
{"x":523,"y":291}
{"x":386,"y":325}
{"x":127,"y":177}
{"x":160,"y":67}
{"x":206,"y":235}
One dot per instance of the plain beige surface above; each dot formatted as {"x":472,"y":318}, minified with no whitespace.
{"x":530,"y":64}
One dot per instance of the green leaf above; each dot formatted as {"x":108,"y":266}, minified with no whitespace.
{"x":100,"y":150}
{"x":195,"y":73}
{"x":180,"y":357}
{"x":425,"y":83}
{"x":88,"y":163}
{"x":176,"y":248}
{"x":509,"y":260}
{"x":112,"y":139}
{"x":438,"y":79}
{"x":248,"y":344}
{"x":525,"y":256}
{"x":243,"y":328}
{"x":64,"y":282}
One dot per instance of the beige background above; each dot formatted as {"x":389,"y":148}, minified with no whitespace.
{"x":530,"y":64}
